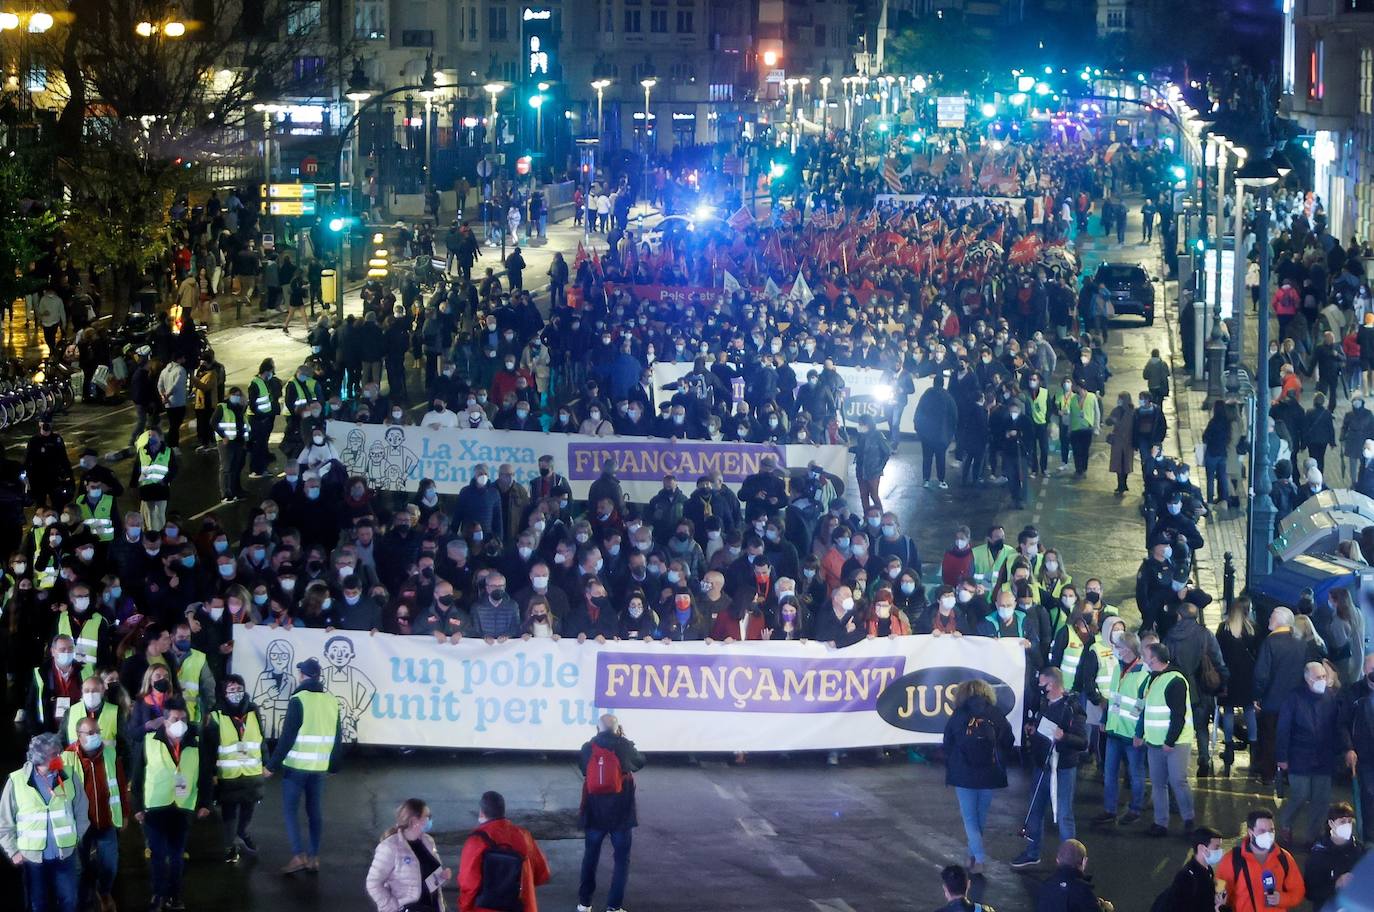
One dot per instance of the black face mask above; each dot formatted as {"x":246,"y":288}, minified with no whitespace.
{"x":162,"y":685}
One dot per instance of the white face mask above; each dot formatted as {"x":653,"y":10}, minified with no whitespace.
{"x":1005,"y":613}
{"x":1214,"y":857}
{"x":176,"y":729}
{"x":92,"y":700}
{"x":847,"y":604}
{"x":1264,"y":841}
{"x":1318,"y":687}
{"x":1343,"y":831}
{"x":946,"y":602}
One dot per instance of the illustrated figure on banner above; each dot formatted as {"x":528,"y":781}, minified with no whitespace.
{"x":350,"y":686}
{"x":386,"y":464}
{"x":273,"y":687}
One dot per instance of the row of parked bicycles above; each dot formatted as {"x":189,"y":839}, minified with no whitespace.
{"x":26,"y":393}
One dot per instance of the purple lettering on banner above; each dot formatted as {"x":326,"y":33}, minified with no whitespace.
{"x":728,"y":681}
{"x":640,"y":459}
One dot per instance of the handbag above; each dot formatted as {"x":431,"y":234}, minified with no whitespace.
{"x":1208,"y":677}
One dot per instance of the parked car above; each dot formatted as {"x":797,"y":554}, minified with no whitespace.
{"x":1131,"y":289}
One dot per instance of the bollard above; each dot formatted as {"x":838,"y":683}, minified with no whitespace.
{"x":1228,"y":582}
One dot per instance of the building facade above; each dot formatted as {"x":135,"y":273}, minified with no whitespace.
{"x":1328,"y":90}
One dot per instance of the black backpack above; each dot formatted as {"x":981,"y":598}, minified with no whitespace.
{"x":503,"y":871}
{"x":979,"y":744}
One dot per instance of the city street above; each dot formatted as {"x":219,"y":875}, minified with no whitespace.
{"x":781,"y":833}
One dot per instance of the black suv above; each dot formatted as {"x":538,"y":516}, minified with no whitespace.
{"x":1129,"y":288}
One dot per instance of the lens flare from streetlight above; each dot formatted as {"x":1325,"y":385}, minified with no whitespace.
{"x":8,"y":21}
{"x":40,"y":22}
{"x":174,"y":29}
{"x":145,"y":29}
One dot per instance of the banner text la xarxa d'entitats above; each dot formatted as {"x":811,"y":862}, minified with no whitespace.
{"x":542,"y":694}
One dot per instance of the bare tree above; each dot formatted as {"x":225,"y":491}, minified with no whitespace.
{"x":148,"y":110}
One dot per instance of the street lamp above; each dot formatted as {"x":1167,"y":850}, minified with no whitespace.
{"x":600,"y":85}
{"x":428,"y":93}
{"x":1261,"y":175}
{"x":537,"y":102}
{"x":648,"y":82}
{"x":493,"y":89}
{"x":825,"y":103}
{"x":145,"y":29}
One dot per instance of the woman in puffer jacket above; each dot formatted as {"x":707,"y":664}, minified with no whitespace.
{"x":406,"y":872}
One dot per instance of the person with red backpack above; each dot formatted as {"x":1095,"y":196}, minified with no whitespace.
{"x":501,"y":864}
{"x":609,"y":762}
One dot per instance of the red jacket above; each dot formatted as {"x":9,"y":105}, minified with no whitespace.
{"x":727,"y":627}
{"x":1247,"y":894}
{"x":503,"y":833}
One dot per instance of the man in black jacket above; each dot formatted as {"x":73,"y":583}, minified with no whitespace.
{"x":1057,"y":734}
{"x":1194,"y":887}
{"x":954,"y":880}
{"x":1333,"y":856}
{"x":838,"y":626}
{"x":1357,"y":715}
{"x":608,"y":813}
{"x":1070,"y":889}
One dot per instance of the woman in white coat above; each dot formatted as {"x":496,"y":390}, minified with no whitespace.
{"x":406,"y":873}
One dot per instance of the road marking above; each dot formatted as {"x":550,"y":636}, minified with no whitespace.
{"x":733,"y":793}
{"x":832,"y":905}
{"x":791,"y":866}
{"x":756,"y":826}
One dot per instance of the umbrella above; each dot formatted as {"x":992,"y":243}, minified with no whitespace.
{"x":1059,"y":257}
{"x":984,"y":250}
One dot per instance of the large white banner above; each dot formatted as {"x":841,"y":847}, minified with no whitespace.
{"x":394,"y":458}
{"x":866,"y":390}
{"x":543,"y":694}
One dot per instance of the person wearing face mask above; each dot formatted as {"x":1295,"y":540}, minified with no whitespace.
{"x":195,"y":679}
{"x":93,"y":757}
{"x":1279,"y":670}
{"x":1334,"y":857}
{"x":1194,"y":887}
{"x":406,"y":872}
{"x":1154,"y":586}
{"x":298,"y":395}
{"x":1164,"y":730}
{"x":942,"y":616}
{"x":957,"y":562}
{"x":1310,"y":745}
{"x":1259,"y":874}
{"x":1125,"y":709}
{"x":89,"y":629}
{"x":155,"y":467}
{"x":540,"y":621}
{"x":170,"y":781}
{"x":98,"y":510}
{"x":991,"y":557}
{"x":480,"y":502}
{"x":1056,"y":733}
{"x":55,"y":690}
{"x":44,"y":816}
{"x":233,"y":736}
{"x":94,"y":706}
{"x":231,"y":432}
{"x":495,"y":616}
